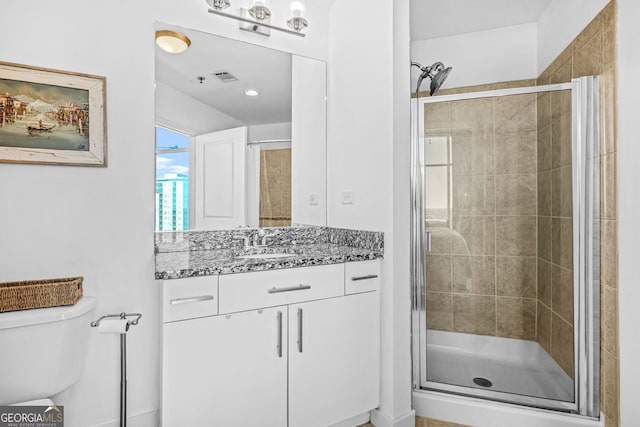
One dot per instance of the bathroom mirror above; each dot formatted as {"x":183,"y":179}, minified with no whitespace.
{"x":240,"y":136}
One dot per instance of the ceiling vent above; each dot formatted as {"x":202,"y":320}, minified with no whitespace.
{"x":225,"y":76}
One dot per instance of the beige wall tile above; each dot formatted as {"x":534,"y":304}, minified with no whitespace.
{"x":474,"y":314}
{"x":544,"y":193}
{"x":438,"y":273}
{"x":515,"y":153}
{"x":516,"y":276}
{"x":608,"y":106}
{"x":473,"y":195}
{"x":474,"y":275}
{"x":544,"y":110}
{"x":514,"y":83}
{"x":588,"y":60}
{"x":515,"y":114}
{"x":439,"y":311}
{"x":472,"y":155}
{"x":516,"y":235}
{"x":543,"y":330}
{"x":562,"y":75}
{"x":544,"y":282}
{"x":609,"y":253}
{"x":465,"y":89}
{"x":561,"y":99}
{"x":608,"y":186}
{"x":562,"y":293}
{"x":516,"y":318}
{"x":609,"y":316}
{"x":516,"y":194}
{"x":474,"y":114}
{"x":562,"y":242}
{"x":544,"y":149}
{"x":588,"y":33}
{"x":437,"y":116}
{"x":562,"y":343}
{"x":561,"y":142}
{"x":611,"y":386}
{"x":544,"y":237}
{"x":475,"y":235}
{"x":561,"y":192}
{"x":441,"y":240}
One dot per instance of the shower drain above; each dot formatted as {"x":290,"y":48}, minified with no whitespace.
{"x":482,"y":382}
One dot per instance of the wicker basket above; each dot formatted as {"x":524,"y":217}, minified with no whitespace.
{"x":40,"y":293}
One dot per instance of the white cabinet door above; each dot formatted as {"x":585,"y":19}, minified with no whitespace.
{"x":226,"y":371}
{"x":333,"y":359}
{"x":220,"y":161}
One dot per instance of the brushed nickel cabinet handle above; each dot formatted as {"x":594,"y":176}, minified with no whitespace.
{"x":279,"y":347}
{"x":370,"y":276}
{"x":191,"y":300}
{"x":275,"y":290}
{"x":299,"y":330}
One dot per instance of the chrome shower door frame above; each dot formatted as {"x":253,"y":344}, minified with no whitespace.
{"x":586,"y":250}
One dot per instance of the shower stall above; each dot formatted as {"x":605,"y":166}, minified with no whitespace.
{"x":505,"y":250}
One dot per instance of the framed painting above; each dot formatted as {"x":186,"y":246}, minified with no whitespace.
{"x":52,"y":117}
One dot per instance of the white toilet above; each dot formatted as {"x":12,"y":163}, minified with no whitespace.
{"x":42,"y":351}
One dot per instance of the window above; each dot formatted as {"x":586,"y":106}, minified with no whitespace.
{"x":172,"y":180}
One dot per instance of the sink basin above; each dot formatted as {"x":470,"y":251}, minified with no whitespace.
{"x":266,"y":256}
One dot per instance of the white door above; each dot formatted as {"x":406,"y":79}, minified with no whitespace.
{"x":220,"y":179}
{"x":226,"y":371}
{"x":333,"y":359}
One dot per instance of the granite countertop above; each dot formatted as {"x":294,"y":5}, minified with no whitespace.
{"x":178,"y":265}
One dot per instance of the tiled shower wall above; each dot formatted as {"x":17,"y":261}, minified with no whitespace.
{"x":593,"y":52}
{"x":275,"y":188}
{"x":481,"y":272}
{"x":555,"y":235}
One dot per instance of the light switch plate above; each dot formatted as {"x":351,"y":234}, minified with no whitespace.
{"x":348,"y":197}
{"x":313,"y":199}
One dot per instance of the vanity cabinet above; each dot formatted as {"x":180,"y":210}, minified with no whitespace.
{"x":287,"y":348}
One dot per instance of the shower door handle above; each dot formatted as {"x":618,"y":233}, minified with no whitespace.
{"x":427,"y":241}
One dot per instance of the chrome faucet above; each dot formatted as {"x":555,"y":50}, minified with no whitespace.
{"x":245,"y":241}
{"x":261,"y":235}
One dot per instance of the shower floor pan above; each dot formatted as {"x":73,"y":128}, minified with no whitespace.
{"x":511,"y":365}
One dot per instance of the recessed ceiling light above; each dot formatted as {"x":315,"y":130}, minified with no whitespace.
{"x":172,"y":41}
{"x":252,"y":92}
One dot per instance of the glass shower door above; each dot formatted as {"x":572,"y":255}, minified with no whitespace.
{"x":500,"y":311}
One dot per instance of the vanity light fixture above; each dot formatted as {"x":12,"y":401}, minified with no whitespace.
{"x":296,"y":21}
{"x":251,"y":92}
{"x":257,"y":18}
{"x":172,"y":41}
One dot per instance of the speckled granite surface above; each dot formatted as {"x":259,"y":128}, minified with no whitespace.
{"x":204,"y":253}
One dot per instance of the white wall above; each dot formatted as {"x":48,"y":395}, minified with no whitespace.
{"x":364,"y":109}
{"x":555,"y":31}
{"x":178,"y":111}
{"x":629,"y":208}
{"x":98,"y":222}
{"x":499,"y":55}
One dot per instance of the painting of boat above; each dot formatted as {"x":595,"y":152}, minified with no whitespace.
{"x":37,"y":129}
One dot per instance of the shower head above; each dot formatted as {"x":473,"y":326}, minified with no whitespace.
{"x":436,"y":72}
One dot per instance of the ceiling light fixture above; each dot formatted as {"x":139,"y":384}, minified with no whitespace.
{"x":251,"y":92}
{"x":257,"y":18}
{"x":172,"y":41}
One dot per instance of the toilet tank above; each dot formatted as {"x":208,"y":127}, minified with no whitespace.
{"x":42,"y":351}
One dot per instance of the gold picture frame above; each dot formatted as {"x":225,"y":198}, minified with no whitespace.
{"x":52,"y":117}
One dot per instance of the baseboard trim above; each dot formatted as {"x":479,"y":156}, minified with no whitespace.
{"x":379,"y":419}
{"x":145,"y":419}
{"x":358,"y":420}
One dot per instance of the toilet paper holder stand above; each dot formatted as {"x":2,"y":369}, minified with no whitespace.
{"x":123,"y":315}
{"x":135,"y":317}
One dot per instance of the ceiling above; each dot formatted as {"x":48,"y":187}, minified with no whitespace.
{"x":256,"y":67}
{"x":441,"y":18}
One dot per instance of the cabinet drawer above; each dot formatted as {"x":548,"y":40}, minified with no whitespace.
{"x":247,"y":291}
{"x":189,"y":298}
{"x":362,"y":276}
